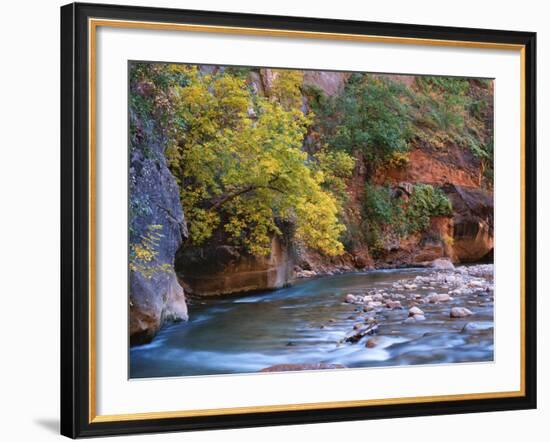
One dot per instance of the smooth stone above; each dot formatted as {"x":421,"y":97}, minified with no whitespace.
{"x":393,"y":304}
{"x":415,"y":311}
{"x":460,"y":312}
{"x":442,"y":264}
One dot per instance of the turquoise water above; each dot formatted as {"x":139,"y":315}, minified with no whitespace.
{"x":306,"y":323}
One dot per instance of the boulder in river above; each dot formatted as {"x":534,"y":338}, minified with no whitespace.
{"x":393,"y":304}
{"x":434,"y":298}
{"x":460,"y":312}
{"x":442,"y":264}
{"x":415,"y":311}
{"x":350,"y":298}
{"x":300,"y":367}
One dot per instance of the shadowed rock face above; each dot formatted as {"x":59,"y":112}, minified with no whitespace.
{"x":472,"y":222}
{"x":222,"y":269}
{"x":156,"y":298}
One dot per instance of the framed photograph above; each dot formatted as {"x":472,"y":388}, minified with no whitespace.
{"x":274,"y":220}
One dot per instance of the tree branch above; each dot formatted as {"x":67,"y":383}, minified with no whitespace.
{"x":217,"y":202}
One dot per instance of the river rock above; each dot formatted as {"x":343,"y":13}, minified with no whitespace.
{"x":393,"y":304}
{"x":350,"y":298}
{"x":305,"y":274}
{"x":434,"y":298}
{"x":442,"y":264}
{"x":300,"y":367}
{"x":415,"y":311}
{"x":470,"y":327}
{"x":377,"y":297}
{"x":460,"y":312}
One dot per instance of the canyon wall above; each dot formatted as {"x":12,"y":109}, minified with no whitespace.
{"x":157,"y":282}
{"x":156,"y":219}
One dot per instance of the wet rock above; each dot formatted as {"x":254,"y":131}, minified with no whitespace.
{"x":415,"y":311}
{"x":434,"y":298}
{"x":419,"y":317}
{"x":470,"y":327}
{"x":442,"y":264}
{"x":350,"y":298}
{"x":306,"y":274}
{"x":460,"y":312}
{"x":300,"y":367}
{"x":356,"y":337}
{"x":393,"y":304}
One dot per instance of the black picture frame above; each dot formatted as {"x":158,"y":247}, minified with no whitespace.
{"x":75,"y":221}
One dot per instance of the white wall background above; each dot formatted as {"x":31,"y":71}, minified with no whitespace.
{"x":29,"y":220}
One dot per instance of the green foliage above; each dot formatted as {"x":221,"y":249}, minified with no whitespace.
{"x":372,"y":117}
{"x":425,"y":202}
{"x":388,"y":213}
{"x":382,"y":118}
{"x":336,"y":167}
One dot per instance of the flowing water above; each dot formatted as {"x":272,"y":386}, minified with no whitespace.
{"x":306,"y":324}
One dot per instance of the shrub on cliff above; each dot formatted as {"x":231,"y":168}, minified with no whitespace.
{"x":372,"y":115}
{"x":449,"y":110}
{"x":389,"y":213}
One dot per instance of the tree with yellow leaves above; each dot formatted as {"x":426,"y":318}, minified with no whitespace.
{"x":238,"y":160}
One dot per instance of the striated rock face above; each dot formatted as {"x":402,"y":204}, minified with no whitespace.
{"x":331,"y":83}
{"x":222,"y":269}
{"x":434,"y":167}
{"x":472,"y":222}
{"x":155,"y":294}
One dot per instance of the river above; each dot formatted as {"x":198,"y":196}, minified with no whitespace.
{"x":308,"y":322}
